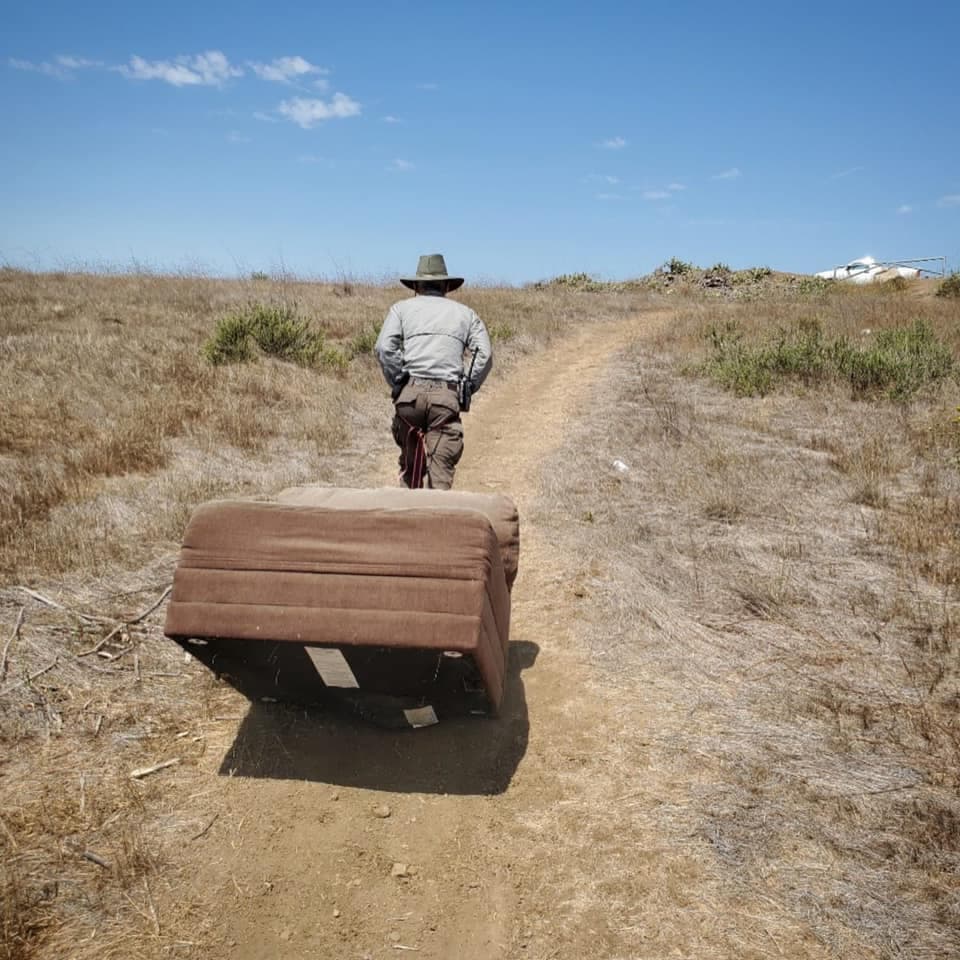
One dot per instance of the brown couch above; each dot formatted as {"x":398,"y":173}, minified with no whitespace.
{"x":365,"y":594}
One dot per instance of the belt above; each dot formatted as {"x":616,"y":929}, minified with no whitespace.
{"x":424,"y":382}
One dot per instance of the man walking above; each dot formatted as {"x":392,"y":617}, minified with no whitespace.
{"x":421,"y":351}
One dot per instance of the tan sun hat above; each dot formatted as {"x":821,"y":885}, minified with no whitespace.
{"x":432,"y":267}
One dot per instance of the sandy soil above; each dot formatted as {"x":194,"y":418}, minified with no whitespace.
{"x":524,"y":836}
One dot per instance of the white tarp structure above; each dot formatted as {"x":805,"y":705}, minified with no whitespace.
{"x":869,"y":270}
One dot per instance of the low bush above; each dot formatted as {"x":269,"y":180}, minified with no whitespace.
{"x":279,"y":333}
{"x":734,"y":364}
{"x":677,"y":267}
{"x":582,"y":282}
{"x":230,"y":342}
{"x":899,"y":362}
{"x":500,"y":331}
{"x":362,"y":343}
{"x":751,"y":275}
{"x":814,"y":285}
{"x":275,"y":330}
{"x":951,"y":286}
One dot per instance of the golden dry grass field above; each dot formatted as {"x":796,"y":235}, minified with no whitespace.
{"x":740,"y":736}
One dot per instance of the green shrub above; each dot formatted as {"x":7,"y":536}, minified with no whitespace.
{"x":951,"y":286}
{"x":750,"y":370}
{"x":276,"y":330}
{"x":230,"y":343}
{"x":259,"y":275}
{"x":501,"y":331}
{"x":677,"y":267}
{"x":734,"y":364}
{"x":814,"y":285}
{"x":331,"y":358}
{"x":751,"y":275}
{"x":279,"y":333}
{"x":899,"y":362}
{"x":582,"y":282}
{"x":362,"y":343}
{"x":800,"y":352}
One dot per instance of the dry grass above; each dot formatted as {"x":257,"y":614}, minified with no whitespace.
{"x":775,"y":582}
{"x":114,"y":428}
{"x":102,"y":380}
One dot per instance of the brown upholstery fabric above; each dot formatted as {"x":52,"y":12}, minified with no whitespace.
{"x":418,"y":577}
{"x":501,"y":511}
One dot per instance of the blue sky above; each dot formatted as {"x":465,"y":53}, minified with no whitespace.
{"x":521,"y":140}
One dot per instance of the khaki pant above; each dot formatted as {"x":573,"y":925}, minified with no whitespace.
{"x":429,"y":406}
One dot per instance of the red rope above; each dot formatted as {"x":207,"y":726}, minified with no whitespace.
{"x":420,"y":458}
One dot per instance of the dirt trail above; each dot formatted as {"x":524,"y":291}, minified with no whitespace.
{"x":520,"y":837}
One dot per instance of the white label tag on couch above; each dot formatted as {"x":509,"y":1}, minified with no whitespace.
{"x":421,"y":717}
{"x":332,"y":666}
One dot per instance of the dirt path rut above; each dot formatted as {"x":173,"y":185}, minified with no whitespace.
{"x":496,"y":839}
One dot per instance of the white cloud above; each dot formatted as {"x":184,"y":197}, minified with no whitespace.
{"x":602,"y":178}
{"x":314,"y":158}
{"x":427,"y":86}
{"x":403,"y":166}
{"x":614,"y":143}
{"x":849,"y":172}
{"x":664,"y":193}
{"x":288,"y":69}
{"x":950,"y":200}
{"x":265,"y":117}
{"x":60,"y":67}
{"x":210,"y":69}
{"x":609,"y":196}
{"x":234,"y":136}
{"x":389,"y":118}
{"x":77,"y":63}
{"x":307,"y":112}
{"x":905,"y":208}
{"x":50,"y":69}
{"x":730,"y":174}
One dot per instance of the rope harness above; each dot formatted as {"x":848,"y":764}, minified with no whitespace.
{"x":421,"y":460}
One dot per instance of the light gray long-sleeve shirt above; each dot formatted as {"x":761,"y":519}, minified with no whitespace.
{"x":426,"y":336}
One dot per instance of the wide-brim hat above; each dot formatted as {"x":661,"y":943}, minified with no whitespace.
{"x":432,"y":267}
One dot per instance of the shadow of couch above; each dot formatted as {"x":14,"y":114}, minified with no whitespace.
{"x":460,"y":755}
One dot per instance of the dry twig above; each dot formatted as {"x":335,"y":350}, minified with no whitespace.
{"x":33,"y":676}
{"x":10,"y":836}
{"x":122,"y":626}
{"x":146,"y":613}
{"x":13,"y":636}
{"x":47,"y":602}
{"x":95,"y":858}
{"x":100,"y":644}
{"x":212,"y":821}
{"x":142,"y":772}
